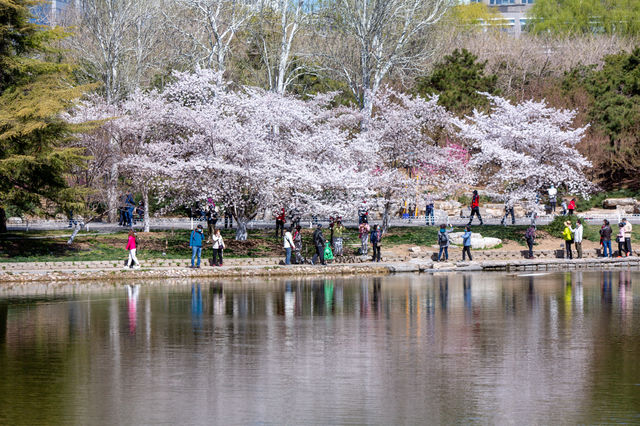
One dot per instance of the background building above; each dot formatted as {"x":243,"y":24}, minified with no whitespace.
{"x":514,"y":12}
{"x":50,"y":12}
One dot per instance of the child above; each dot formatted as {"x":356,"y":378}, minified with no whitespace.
{"x":466,"y":243}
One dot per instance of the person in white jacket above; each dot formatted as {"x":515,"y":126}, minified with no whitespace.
{"x":218,"y":246}
{"x":288,"y":245}
{"x":577,"y":237}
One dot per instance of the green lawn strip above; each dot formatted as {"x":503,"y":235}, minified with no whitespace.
{"x":18,"y":247}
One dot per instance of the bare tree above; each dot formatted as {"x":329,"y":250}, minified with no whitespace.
{"x":276,"y":35}
{"x":202,"y":31}
{"x":386,"y":34}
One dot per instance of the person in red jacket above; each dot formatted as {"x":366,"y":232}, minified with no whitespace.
{"x":572,"y":206}
{"x":280,"y":219}
{"x":132,"y":261}
{"x":475,"y":207}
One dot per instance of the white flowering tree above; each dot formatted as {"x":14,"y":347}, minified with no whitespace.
{"x":404,"y":134}
{"x":254,"y":150}
{"x":517,"y":150}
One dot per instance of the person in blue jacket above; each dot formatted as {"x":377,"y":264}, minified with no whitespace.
{"x":195,"y":243}
{"x":466,"y":243}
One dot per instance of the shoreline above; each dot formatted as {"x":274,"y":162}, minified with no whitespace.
{"x":86,"y":271}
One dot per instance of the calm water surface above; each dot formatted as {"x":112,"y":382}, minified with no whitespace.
{"x":409,"y":349}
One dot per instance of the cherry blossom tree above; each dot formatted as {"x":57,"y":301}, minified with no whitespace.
{"x":404,"y":132}
{"x":253,"y":150}
{"x":517,"y":150}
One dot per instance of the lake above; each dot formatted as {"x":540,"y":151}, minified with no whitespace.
{"x":490,"y":348}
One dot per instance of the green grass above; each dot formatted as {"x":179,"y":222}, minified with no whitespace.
{"x":47,"y":246}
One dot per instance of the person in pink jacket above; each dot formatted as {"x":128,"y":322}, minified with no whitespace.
{"x":131,"y":246}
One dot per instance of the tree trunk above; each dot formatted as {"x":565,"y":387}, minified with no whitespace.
{"x":241,"y":229}
{"x":112,"y":194}
{"x":386,"y":217}
{"x":3,"y":221}
{"x":145,"y":200}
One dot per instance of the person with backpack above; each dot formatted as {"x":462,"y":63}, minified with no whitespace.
{"x":568,"y":240}
{"x":466,"y":243}
{"x":475,"y":208}
{"x":605,"y":238}
{"x":195,"y":243}
{"x":530,"y":238}
{"x":319,"y":242}
{"x":443,"y":241}
{"x":218,"y":248}
{"x":288,"y":245}
{"x":132,"y":261}
{"x":376,"y":241}
{"x":429,"y":209}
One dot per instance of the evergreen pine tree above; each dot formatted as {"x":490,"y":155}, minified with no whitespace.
{"x":34,"y":91}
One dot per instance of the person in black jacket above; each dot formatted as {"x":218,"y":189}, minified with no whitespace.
{"x":319,"y":242}
{"x":605,"y":239}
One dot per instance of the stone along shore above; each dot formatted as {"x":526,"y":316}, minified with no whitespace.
{"x":272,"y":267}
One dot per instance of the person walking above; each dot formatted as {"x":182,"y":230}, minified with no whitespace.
{"x":195,"y":243}
{"x":376,"y":242}
{"x":475,"y":208}
{"x":338,"y":233}
{"x":132,"y":261}
{"x":628,"y":228}
{"x":288,"y":245}
{"x":428,"y":212}
{"x":443,"y":241}
{"x":466,"y":243}
{"x":564,"y":207}
{"x":577,"y":237}
{"x":218,"y":247}
{"x":568,"y":240}
{"x":318,"y":242}
{"x":622,"y":247}
{"x":280,"y":220}
{"x":553,"y":192}
{"x":530,"y":237}
{"x":508,"y":210}
{"x":363,"y":231}
{"x":605,"y":238}
{"x":297,"y":243}
{"x":571,"y":206}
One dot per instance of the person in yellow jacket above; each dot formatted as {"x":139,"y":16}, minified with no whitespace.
{"x":567,"y":236}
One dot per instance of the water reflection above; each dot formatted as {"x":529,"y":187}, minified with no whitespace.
{"x":451,"y":348}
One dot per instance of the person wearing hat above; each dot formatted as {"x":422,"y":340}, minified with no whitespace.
{"x":567,"y":236}
{"x":319,"y":242}
{"x":195,"y":243}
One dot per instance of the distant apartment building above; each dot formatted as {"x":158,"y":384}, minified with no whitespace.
{"x":513,"y":11}
{"x":50,"y":12}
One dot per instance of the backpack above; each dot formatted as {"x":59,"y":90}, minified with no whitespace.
{"x":442,"y":238}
